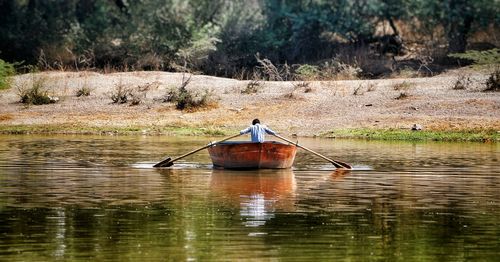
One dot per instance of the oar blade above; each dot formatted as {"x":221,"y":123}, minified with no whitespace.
{"x":339,"y":164}
{"x":164,"y":163}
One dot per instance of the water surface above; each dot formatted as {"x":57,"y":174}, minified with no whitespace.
{"x":97,"y":198}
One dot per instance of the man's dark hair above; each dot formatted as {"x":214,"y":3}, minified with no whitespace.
{"x":255,"y":121}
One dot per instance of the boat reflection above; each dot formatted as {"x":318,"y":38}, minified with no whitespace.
{"x":339,"y":174}
{"x":259,"y":194}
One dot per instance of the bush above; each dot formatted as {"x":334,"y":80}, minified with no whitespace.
{"x":191,"y":101}
{"x":404,"y":89}
{"x":6,"y":71}
{"x":185,"y":99}
{"x":123,"y":94}
{"x":493,"y":82}
{"x":83,"y":91}
{"x":402,"y":95}
{"x":358,"y":90}
{"x":348,"y":72}
{"x":272,"y":73}
{"x":252,"y":87}
{"x":120,"y":94}
{"x":405,"y":86}
{"x":305,"y":86}
{"x":463,"y":82}
{"x":488,"y":57}
{"x":37,"y":93}
{"x":136,"y":97}
{"x":307,"y":72}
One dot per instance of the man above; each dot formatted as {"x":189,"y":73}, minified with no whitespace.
{"x":257,"y":131}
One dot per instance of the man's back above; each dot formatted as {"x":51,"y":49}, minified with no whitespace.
{"x":257,"y":132}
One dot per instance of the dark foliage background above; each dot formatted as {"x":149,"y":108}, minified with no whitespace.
{"x":224,"y":37}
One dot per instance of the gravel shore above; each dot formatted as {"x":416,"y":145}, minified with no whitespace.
{"x":287,"y":107}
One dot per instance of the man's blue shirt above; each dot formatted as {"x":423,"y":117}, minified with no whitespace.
{"x":257,"y":132}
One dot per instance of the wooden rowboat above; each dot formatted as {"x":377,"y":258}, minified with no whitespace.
{"x":250,"y":155}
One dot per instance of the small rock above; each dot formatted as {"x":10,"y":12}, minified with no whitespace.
{"x":369,"y":105}
{"x":237,"y":110}
{"x":413,"y":108}
{"x":53,"y":99}
{"x":416,"y":127}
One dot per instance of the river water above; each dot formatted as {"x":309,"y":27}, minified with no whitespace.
{"x":97,"y":198}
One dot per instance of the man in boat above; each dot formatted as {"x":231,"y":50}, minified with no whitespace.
{"x":257,"y":131}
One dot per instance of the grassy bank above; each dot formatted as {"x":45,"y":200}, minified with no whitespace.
{"x":371,"y":134}
{"x":422,"y":135}
{"x":97,"y":130}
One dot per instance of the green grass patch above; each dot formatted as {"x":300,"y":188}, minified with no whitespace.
{"x":423,"y":135}
{"x":126,"y":130}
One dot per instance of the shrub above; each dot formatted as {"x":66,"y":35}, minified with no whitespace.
{"x":191,"y":101}
{"x":488,"y":57}
{"x":83,"y":91}
{"x":402,"y":86}
{"x":348,"y":72}
{"x":402,"y":95}
{"x":136,"y":97}
{"x":170,"y":96}
{"x":185,"y":99}
{"x":493,"y":82}
{"x":305,"y":85}
{"x":6,"y":71}
{"x":123,"y":94}
{"x":307,"y":72}
{"x":463,"y":82}
{"x":120,"y":94}
{"x":272,"y":72}
{"x":252,"y":87}
{"x":37,"y":93}
{"x":358,"y":90}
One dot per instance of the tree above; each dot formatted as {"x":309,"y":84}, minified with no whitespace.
{"x":458,"y":18}
{"x":30,"y":26}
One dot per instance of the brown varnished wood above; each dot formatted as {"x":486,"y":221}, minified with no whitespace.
{"x":249,"y":155}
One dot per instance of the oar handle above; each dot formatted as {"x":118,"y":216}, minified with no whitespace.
{"x":337,"y":164}
{"x":201,"y":148}
{"x":168,"y":162}
{"x":190,"y":153}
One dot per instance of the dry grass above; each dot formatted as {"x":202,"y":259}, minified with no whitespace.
{"x":6,"y":117}
{"x":402,"y":95}
{"x":403,"y":86}
{"x":83,"y":91}
{"x":252,"y":87}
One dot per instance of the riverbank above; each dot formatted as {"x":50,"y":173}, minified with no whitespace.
{"x":369,"y":109}
{"x":369,"y":134}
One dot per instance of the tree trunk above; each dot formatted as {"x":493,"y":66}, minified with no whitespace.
{"x":459,"y":25}
{"x":393,"y":25}
{"x":457,"y":36}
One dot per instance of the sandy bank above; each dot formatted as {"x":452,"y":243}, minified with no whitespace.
{"x":321,"y":107}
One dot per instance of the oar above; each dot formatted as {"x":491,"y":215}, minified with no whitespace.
{"x":336,"y":163}
{"x":169,"y":162}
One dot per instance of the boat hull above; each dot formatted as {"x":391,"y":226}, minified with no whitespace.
{"x":249,"y":155}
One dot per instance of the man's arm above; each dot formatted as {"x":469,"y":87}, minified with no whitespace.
{"x":269,"y":131}
{"x":244,"y":131}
